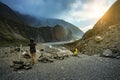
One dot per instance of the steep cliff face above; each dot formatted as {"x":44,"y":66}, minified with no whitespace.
{"x":104,"y":35}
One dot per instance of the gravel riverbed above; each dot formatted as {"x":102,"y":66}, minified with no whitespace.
{"x":72,"y":68}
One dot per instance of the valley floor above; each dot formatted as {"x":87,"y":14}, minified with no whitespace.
{"x":72,"y":68}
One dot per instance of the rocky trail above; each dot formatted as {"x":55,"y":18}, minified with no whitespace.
{"x":83,"y":67}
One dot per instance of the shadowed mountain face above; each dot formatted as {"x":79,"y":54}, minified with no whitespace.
{"x":76,"y":33}
{"x":8,"y":13}
{"x":104,"y":35}
{"x":17,"y":28}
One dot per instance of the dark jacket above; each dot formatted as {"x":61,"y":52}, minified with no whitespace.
{"x":32,"y":47}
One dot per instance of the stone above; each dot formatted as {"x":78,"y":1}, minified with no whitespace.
{"x":45,"y":59}
{"x":50,"y":60}
{"x":110,"y":53}
{"x":6,"y":53}
{"x":27,"y":67}
{"x":25,"y":54}
{"x":118,"y":57}
{"x":19,"y":65}
{"x":107,"y":53}
{"x":98,"y":39}
{"x":18,"y":62}
{"x":17,"y":49}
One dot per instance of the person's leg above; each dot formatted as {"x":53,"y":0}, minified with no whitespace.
{"x":34,"y":57}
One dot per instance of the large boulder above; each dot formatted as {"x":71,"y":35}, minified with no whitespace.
{"x":107,"y":53}
{"x":110,"y":53}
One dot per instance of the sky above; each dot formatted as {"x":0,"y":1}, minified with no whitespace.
{"x":82,"y":13}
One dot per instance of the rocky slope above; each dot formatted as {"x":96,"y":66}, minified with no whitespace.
{"x":104,"y":35}
{"x":111,"y":17}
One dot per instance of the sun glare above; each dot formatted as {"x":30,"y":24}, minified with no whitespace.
{"x":97,"y":11}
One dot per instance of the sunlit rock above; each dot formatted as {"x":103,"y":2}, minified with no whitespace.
{"x":98,"y":39}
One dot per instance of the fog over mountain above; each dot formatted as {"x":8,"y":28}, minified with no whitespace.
{"x":18,"y":27}
{"x":82,"y":13}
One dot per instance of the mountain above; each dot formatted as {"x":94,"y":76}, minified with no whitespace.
{"x":111,"y":17}
{"x":43,"y":22}
{"x":15,"y":29}
{"x":104,"y":35}
{"x":9,"y":14}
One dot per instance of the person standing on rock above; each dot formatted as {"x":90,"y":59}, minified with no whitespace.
{"x":32,"y":45}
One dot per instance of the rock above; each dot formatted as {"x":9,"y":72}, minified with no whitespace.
{"x":107,"y":53}
{"x":26,"y":55}
{"x":110,"y":53}
{"x":42,"y":50}
{"x":18,"y":62}
{"x":45,"y":59}
{"x":19,"y":65}
{"x":27,"y":64}
{"x":27,"y":67}
{"x":61,"y":58}
{"x":112,"y":27}
{"x":62,"y":53}
{"x":115,"y":55}
{"x":17,"y":49}
{"x":118,"y":57}
{"x":6,"y":53}
{"x":50,"y":60}
{"x":50,"y":53}
{"x":98,"y":39}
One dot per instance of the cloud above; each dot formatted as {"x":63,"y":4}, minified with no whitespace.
{"x":86,"y":28}
{"x":87,"y":12}
{"x":79,"y":12}
{"x":40,"y":8}
{"x":92,"y":9}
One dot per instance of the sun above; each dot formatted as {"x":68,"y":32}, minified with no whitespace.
{"x":97,"y":11}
